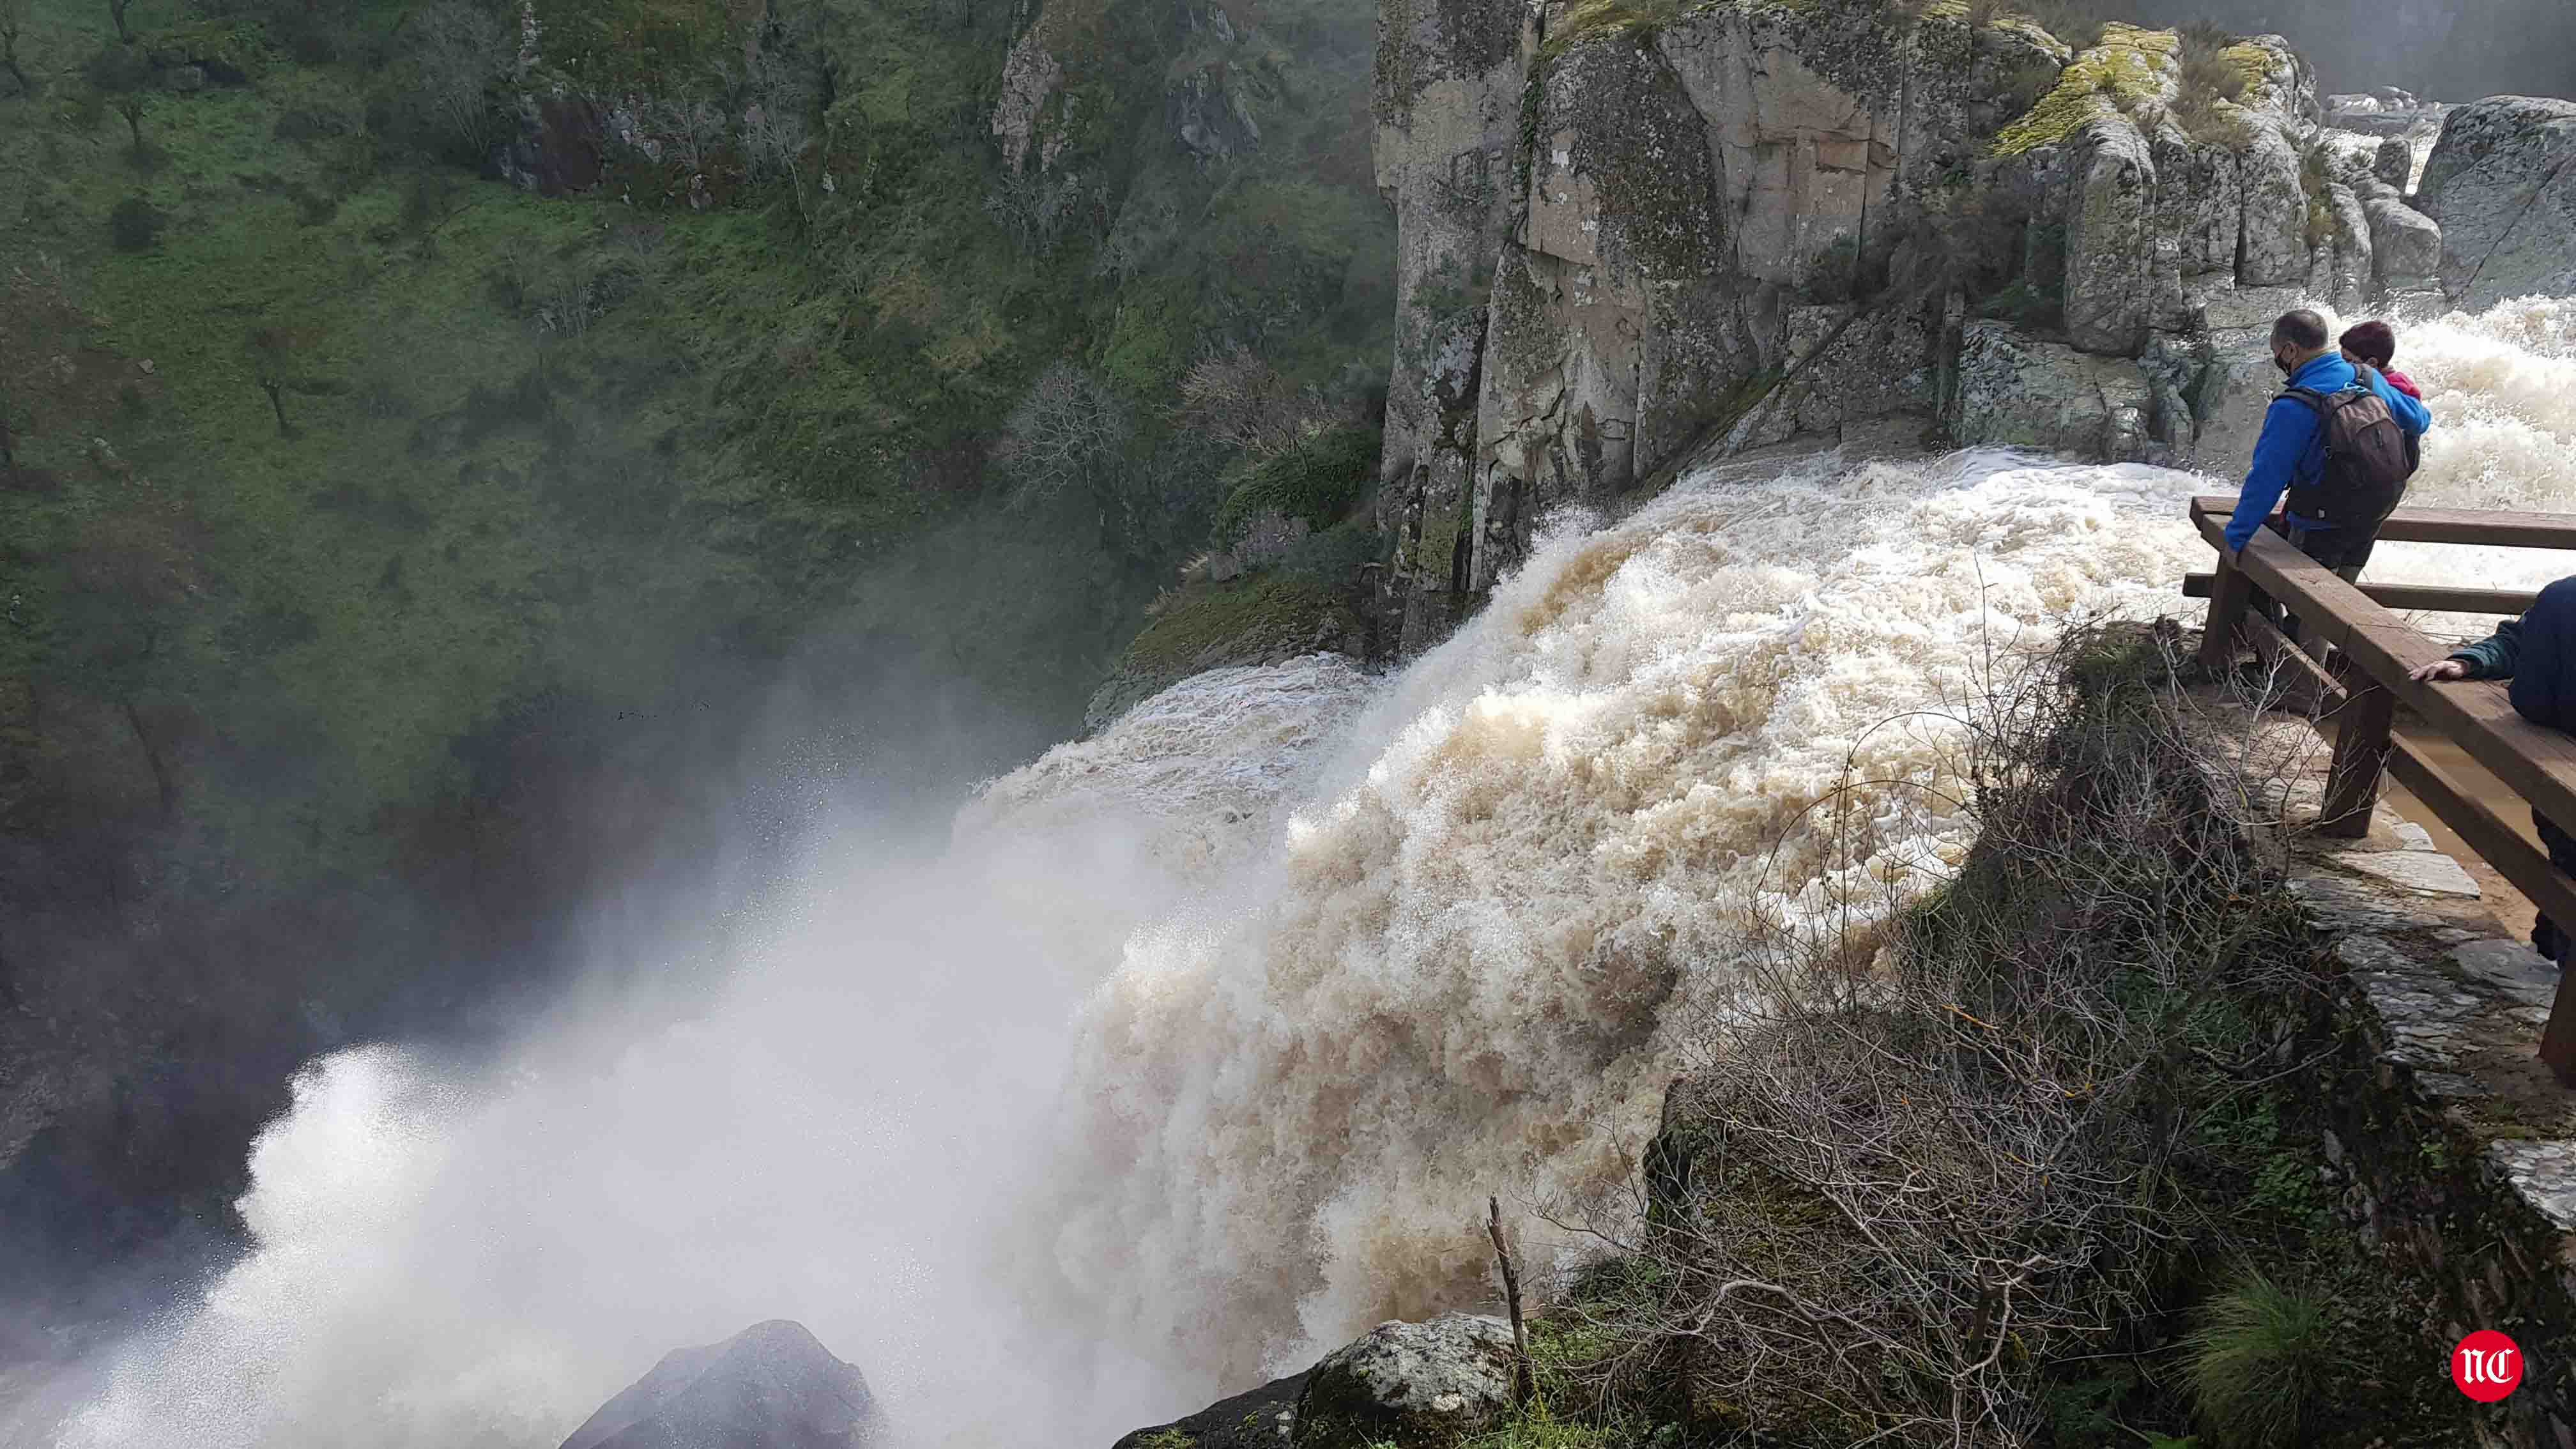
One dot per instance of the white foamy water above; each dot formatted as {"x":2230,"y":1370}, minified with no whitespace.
{"x":1476,"y":968}
{"x":1201,"y":1045}
{"x":2502,"y":387}
{"x":449,"y":1261}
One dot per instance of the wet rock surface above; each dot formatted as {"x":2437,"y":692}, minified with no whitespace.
{"x":771,"y":1386}
{"x":1262,"y":1418}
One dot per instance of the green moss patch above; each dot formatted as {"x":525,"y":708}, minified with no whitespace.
{"x":2123,"y":73}
{"x":1318,"y":481}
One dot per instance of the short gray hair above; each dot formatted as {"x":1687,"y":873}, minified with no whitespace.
{"x":2302,"y":329}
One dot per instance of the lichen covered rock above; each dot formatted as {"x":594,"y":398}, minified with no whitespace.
{"x":1449,"y":99}
{"x":2405,"y":244}
{"x":1633,"y":233}
{"x":1417,"y":1385}
{"x":2109,"y":242}
{"x":2021,"y":392}
{"x":2350,"y":271}
{"x":2502,"y":183}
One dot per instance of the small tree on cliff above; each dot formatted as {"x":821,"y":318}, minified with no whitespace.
{"x":276,"y":354}
{"x":457,"y":54}
{"x":1074,"y":435}
{"x":1068,"y":434}
{"x":122,"y":76}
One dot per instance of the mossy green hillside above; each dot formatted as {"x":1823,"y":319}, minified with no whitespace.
{"x":497,"y":400}
{"x":372,"y":521}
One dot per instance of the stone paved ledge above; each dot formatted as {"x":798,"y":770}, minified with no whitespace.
{"x":2459,"y":1147}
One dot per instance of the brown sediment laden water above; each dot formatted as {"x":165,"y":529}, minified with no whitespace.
{"x":1198,"y":1046}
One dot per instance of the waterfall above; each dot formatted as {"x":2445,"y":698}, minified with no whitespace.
{"x":1198,"y":1046}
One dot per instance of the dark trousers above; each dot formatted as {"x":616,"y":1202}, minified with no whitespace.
{"x":2344,"y":550}
{"x":2544,"y":692}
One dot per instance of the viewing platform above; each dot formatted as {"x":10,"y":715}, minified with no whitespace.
{"x":2384,"y":723}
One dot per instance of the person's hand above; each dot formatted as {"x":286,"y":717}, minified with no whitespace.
{"x":2438,"y":671}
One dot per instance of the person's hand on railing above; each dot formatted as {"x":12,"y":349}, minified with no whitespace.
{"x":2438,"y":670}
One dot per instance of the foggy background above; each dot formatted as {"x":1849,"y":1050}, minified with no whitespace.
{"x":2445,"y":50}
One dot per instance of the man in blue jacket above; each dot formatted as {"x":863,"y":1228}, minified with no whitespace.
{"x":2538,"y":653}
{"x":2292,"y":451}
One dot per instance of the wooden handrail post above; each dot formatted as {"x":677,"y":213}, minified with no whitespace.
{"x":2361,"y":751}
{"x":2558,"y":1034}
{"x":2229,"y":597}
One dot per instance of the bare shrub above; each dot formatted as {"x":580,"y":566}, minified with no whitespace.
{"x":693,"y":128}
{"x":1237,"y":399}
{"x":1919,"y":1163}
{"x":457,"y":53}
{"x":1041,"y":210}
{"x":1066,"y":433}
{"x":774,"y":136}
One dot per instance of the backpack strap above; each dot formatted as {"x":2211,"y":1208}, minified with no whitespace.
{"x":2317,"y":402}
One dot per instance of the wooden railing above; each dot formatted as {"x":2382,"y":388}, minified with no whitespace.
{"x":2375,"y":651}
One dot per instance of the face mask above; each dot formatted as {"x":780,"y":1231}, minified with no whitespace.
{"x":2281,"y":361}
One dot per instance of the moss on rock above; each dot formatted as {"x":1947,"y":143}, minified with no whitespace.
{"x":1214,"y":626}
{"x":2125,"y":72}
{"x":1319,"y":481}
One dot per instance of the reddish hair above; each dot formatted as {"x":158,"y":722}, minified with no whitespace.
{"x":2372,"y":342}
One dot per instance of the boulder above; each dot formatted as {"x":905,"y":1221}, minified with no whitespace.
{"x":559,"y":148}
{"x":1264,"y":1418}
{"x":2274,"y":249}
{"x":2394,"y":162}
{"x":2350,"y":271}
{"x":771,"y":1386}
{"x":2502,"y":183}
{"x":2237,"y":384}
{"x":2405,"y":244}
{"x":1418,"y":1385}
{"x":2109,"y":241}
{"x":2019,"y":391}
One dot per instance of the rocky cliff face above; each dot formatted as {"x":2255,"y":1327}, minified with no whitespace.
{"x":2502,"y":180}
{"x":1633,"y":233}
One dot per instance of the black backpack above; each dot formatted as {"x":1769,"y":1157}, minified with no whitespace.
{"x":2368,"y":459}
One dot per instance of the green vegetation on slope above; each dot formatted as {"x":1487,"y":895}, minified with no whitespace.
{"x":369,"y":524}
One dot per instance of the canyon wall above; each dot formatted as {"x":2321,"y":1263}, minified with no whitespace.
{"x":1634,"y":234}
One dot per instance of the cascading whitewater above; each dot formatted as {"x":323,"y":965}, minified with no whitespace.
{"x":1338,"y":958}
{"x":831,"y":1132}
{"x":1484,"y":954}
